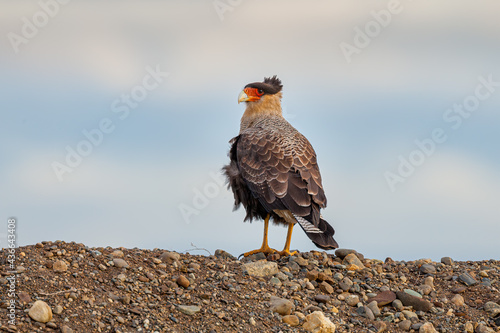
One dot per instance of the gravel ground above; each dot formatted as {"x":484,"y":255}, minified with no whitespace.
{"x":69,"y":287}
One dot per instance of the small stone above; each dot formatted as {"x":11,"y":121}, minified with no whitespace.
{"x":312,"y":275}
{"x":251,"y":320}
{"x":273,"y":257}
{"x":427,"y":328}
{"x":281,"y":305}
{"x":120,"y":320}
{"x":418,"y":303}
{"x":58,"y":309}
{"x":189,"y":309}
{"x":352,"y":300}
{"x":424,"y":289}
{"x":120,"y":263}
{"x":380,"y":326}
{"x":317,"y":322}
{"x":447,"y":261}
{"x":468,"y":327}
{"x":322,"y":298}
{"x":413,"y":293}
{"x":309,"y":286}
{"x":24,"y":297}
{"x":276,"y":282}
{"x":326,"y":287}
{"x":409,"y":314}
{"x":429,"y":281}
{"x":117,"y":254}
{"x":492,"y":308}
{"x":342,"y":253}
{"x":427,"y":269}
{"x":300,"y":261}
{"x":467,"y":279}
{"x":345,"y":284}
{"x":383,"y":298}
{"x":291,"y":320}
{"x":405,"y":325}
{"x":373,"y":305}
{"x":182,"y":281}
{"x":60,"y":266}
{"x":481,"y":328}
{"x":351,"y":260}
{"x":41,"y":312}
{"x":223,"y":254}
{"x":397,"y":304}
{"x":365,"y":311}
{"x":66,"y":329}
{"x":169,"y":257}
{"x":52,"y":325}
{"x":102,"y":267}
{"x":261,"y":268}
{"x":458,"y":300}
{"x":458,"y":290}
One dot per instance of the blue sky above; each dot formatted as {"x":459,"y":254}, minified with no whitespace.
{"x":360,"y":113}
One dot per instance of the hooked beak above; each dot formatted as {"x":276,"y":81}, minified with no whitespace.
{"x":242,"y":97}
{"x":248,"y":95}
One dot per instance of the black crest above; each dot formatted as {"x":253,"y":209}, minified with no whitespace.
{"x":270,"y":85}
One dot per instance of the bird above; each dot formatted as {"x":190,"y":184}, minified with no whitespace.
{"x":273,"y":170}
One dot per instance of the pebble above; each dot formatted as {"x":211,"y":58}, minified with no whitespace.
{"x":291,"y":320}
{"x":300,"y":261}
{"x":413,"y":293}
{"x":345,"y":284}
{"x":342,"y":253}
{"x":405,"y":325}
{"x":429,"y":281}
{"x":458,"y":300}
{"x":41,"y":312}
{"x":409,"y":314}
{"x":120,"y":263}
{"x":58,"y":309}
{"x":492,"y":308}
{"x":384,"y":298}
{"x":312,"y":275}
{"x":317,"y":322}
{"x":60,"y":266}
{"x":352,"y":300}
{"x":117,"y":254}
{"x":189,"y":309}
{"x":281,"y":305}
{"x":66,"y":329}
{"x":468,"y":327}
{"x":24,"y":297}
{"x":326,"y":287}
{"x":427,"y":328}
{"x":424,"y":289}
{"x":365,"y":311}
{"x":447,"y":261}
{"x":322,"y":298}
{"x":427,"y":269}
{"x":252,"y":321}
{"x":481,"y":328}
{"x":467,"y":279}
{"x":182,"y":281}
{"x":169,"y":257}
{"x":373,"y":306}
{"x":261,"y":268}
{"x":276,"y":282}
{"x":397,"y":304}
{"x":418,"y":304}
{"x":352,"y":262}
{"x":380,"y":326}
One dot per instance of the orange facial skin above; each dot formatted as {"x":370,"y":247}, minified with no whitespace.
{"x":250,"y":95}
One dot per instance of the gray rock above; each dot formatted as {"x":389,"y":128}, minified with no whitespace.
{"x":365,"y":311}
{"x":345,"y":284}
{"x":412,"y":292}
{"x":428,"y":269}
{"x":275,"y":282}
{"x":427,"y":328}
{"x":189,"y":309}
{"x":169,"y":257}
{"x":492,"y":308}
{"x":352,"y":300}
{"x":447,"y":261}
{"x":373,"y":306}
{"x":409,"y":314}
{"x":300,"y":261}
{"x":342,"y":253}
{"x":281,"y":305}
{"x":261,"y":268}
{"x":322,"y":298}
{"x":120,"y":263}
{"x":397,"y":304}
{"x":405,"y":325}
{"x":467,"y":279}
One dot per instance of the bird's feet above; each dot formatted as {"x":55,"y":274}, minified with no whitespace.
{"x":286,"y":252}
{"x":264,"y":249}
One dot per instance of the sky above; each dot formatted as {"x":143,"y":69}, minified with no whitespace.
{"x":116,"y":119}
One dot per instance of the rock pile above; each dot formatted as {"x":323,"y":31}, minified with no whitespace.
{"x":69,"y":287}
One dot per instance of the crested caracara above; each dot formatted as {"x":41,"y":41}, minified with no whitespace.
{"x":273,"y":170}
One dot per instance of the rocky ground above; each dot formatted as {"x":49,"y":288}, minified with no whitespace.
{"x":69,"y":287}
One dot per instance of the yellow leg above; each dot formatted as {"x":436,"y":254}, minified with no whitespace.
{"x":265,"y":247}
{"x":286,"y":249}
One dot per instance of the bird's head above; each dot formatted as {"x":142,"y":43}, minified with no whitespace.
{"x":260,"y":92}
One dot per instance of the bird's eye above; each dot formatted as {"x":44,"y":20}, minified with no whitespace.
{"x":260,"y":91}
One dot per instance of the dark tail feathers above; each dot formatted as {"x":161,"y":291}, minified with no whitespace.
{"x":321,"y":235}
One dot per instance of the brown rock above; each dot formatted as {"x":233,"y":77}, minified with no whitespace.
{"x":24,"y":297}
{"x":281,"y":305}
{"x":383,"y":298}
{"x":60,"y":266}
{"x":317,"y":322}
{"x":380,"y":326}
{"x":352,"y":262}
{"x":182,"y":281}
{"x":312,"y":275}
{"x":322,"y":298}
{"x":427,"y":328}
{"x":419,"y":304}
{"x":291,"y":320}
{"x":326,"y":287}
{"x":41,"y":312}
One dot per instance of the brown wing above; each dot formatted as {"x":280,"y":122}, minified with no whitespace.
{"x":281,"y":172}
